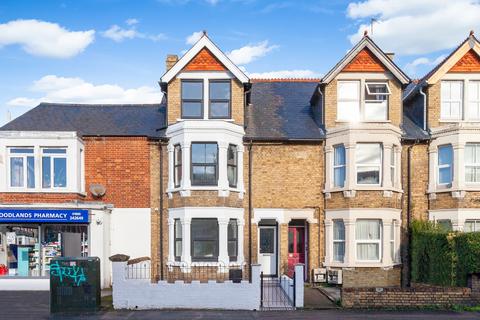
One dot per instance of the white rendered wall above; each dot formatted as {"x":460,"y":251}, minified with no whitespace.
{"x":130,"y":232}
{"x":99,"y":244}
{"x":142,"y":294}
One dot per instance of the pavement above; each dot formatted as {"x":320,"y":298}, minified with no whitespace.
{"x":314,"y":298}
{"x":35,"y":305}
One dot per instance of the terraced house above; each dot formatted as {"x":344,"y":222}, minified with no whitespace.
{"x":229,"y":171}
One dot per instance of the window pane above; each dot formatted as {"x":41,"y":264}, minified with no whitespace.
{"x":16,"y":172}
{"x":377,"y":88}
{"x":339,"y":155}
{"x":178,"y":154}
{"x":204,"y":229}
{"x":232,"y":155}
{"x":267,"y":240}
{"x":220,"y":90}
{"x":368,"y":153}
{"x":338,"y":230}
{"x":348,"y":110}
{"x":60,"y":172}
{"x":198,"y":153}
{"x":445,"y":224}
{"x":232,"y":248}
{"x":192,"y":90}
{"x":46,"y":172}
{"x":232,"y":229}
{"x":367,"y":230}
{"x":339,"y":177}
{"x":54,"y":151}
{"x":368,"y":175}
{"x":445,"y":155}
{"x":211,"y":153}
{"x":219,"y":109}
{"x":191,"y":109}
{"x":30,"y":172}
{"x":21,"y":150}
{"x":348,"y":90}
{"x":178,"y":248}
{"x":338,"y":251}
{"x":205,"y":249}
{"x":376,"y":111}
{"x":178,"y":229}
{"x":232,"y":176}
{"x":368,"y":251}
{"x":445,"y":175}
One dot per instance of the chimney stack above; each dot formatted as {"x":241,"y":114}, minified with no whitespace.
{"x":390,"y":55}
{"x":171,"y":60}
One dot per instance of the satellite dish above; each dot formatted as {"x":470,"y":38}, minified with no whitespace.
{"x":97,"y":190}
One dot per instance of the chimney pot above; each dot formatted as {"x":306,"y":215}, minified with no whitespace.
{"x":171,"y":60}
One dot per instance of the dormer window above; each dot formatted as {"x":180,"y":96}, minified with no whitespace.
{"x":192,"y":99}
{"x":220,"y":94}
{"x":376,"y":101}
{"x":54,"y":168}
{"x":22,"y":167}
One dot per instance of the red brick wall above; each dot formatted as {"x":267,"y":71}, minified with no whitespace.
{"x":204,"y":61}
{"x":122,"y":165}
{"x":18,"y":197}
{"x":470,"y":62}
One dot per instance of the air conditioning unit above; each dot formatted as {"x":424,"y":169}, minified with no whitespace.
{"x":319,"y":275}
{"x":334,"y":276}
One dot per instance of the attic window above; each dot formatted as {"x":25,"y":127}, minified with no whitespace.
{"x":376,"y":101}
{"x":377,"y":89}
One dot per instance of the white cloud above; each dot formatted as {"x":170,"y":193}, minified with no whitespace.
{"x":119,"y":34}
{"x":251,"y":52}
{"x":285,"y":74}
{"x":415,"y":27}
{"x":411,"y":67}
{"x":53,"y":88}
{"x":131,"y":21}
{"x":45,"y":39}
{"x":194,"y":37}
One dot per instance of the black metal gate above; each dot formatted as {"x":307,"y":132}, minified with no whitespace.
{"x":277,"y":293}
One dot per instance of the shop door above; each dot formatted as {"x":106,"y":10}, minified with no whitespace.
{"x":267,"y":249}
{"x":296,"y":247}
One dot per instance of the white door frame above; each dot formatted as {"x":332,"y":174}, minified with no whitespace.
{"x":276,"y":251}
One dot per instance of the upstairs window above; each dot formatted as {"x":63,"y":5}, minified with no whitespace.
{"x":368,"y":163}
{"x":192,"y":99}
{"x":220,"y":96}
{"x":376,"y":101}
{"x":452,"y":100}
{"x":22,"y":168}
{"x":177,"y":163}
{"x":232,"y":165}
{"x":339,"y":165}
{"x":473,"y":107}
{"x":204,"y":164}
{"x":348,"y":100}
{"x":472,"y":162}
{"x":54,"y":168}
{"x":445,"y":164}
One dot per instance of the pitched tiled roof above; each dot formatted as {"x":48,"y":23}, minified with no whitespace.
{"x":411,"y":131}
{"x":94,"y":119}
{"x":280,"y":110}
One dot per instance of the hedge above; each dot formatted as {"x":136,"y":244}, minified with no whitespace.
{"x":440,"y":257}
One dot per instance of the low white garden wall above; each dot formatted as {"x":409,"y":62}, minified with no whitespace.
{"x":287,"y":286}
{"x":24,"y":284}
{"x":142,"y":294}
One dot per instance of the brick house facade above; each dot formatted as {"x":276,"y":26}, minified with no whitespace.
{"x":228,"y":170}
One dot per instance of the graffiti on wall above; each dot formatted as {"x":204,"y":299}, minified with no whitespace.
{"x":72,"y":272}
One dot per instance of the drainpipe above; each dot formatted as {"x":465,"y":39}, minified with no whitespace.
{"x":250,"y":161}
{"x":424,"y":108}
{"x":160,"y":211}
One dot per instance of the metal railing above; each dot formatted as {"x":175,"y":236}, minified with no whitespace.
{"x":141,"y":270}
{"x":277,"y":293}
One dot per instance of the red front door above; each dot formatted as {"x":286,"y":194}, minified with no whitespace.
{"x":296,"y":247}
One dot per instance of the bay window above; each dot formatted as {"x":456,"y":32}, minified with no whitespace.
{"x":451,"y":100}
{"x":472,"y":162}
{"x":348,"y":100}
{"x":204,"y":235}
{"x":232,"y":165}
{"x":232,"y":240}
{"x":204,"y":164}
{"x":392,"y":241}
{"x":472,"y":226}
{"x":220,"y":93}
{"x":22,"y":167}
{"x":445,"y":164}
{"x":339,"y":166}
{"x":376,"y":101}
{"x":392,"y":166}
{"x":192,"y":99}
{"x":54,"y":168}
{"x":473,"y":106}
{"x":368,"y":240}
{"x":177,"y":240}
{"x":177,"y":165}
{"x":338,"y":241}
{"x":368,"y":163}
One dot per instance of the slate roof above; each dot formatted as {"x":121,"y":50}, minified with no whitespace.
{"x":280,"y":110}
{"x":94,"y":119}
{"x":411,"y":131}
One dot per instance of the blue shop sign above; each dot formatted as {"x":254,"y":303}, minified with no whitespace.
{"x":8,"y":215}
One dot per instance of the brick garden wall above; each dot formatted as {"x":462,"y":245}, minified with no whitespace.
{"x":371,"y":277}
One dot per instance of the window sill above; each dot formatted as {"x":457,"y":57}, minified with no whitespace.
{"x":203,"y":264}
{"x":186,"y":192}
{"x":360,"y":265}
{"x":363,"y":188}
{"x":364,"y":121}
{"x":60,"y":191}
{"x":207,"y":119}
{"x":457,"y":121}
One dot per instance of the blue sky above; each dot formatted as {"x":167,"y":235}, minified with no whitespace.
{"x":113,"y":51}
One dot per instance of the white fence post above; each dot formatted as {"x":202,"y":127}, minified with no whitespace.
{"x":299,"y":285}
{"x":118,"y":284}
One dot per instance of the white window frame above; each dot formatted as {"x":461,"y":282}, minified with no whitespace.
{"x":380,"y":165}
{"x":358,"y":99}
{"x":473,"y":164}
{"x":24,"y":157}
{"x":475,"y":101}
{"x":476,"y":225}
{"x":393,"y":235}
{"x":378,"y":83}
{"x":339,"y":241}
{"x":450,"y":100}
{"x":441,"y":166}
{"x":368,"y":241}
{"x":393,"y":166}
{"x":53,"y":156}
{"x":339,"y":166}
{"x":372,"y":103}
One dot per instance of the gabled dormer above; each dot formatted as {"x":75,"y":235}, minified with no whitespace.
{"x":364,"y":86}
{"x":204,"y":84}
